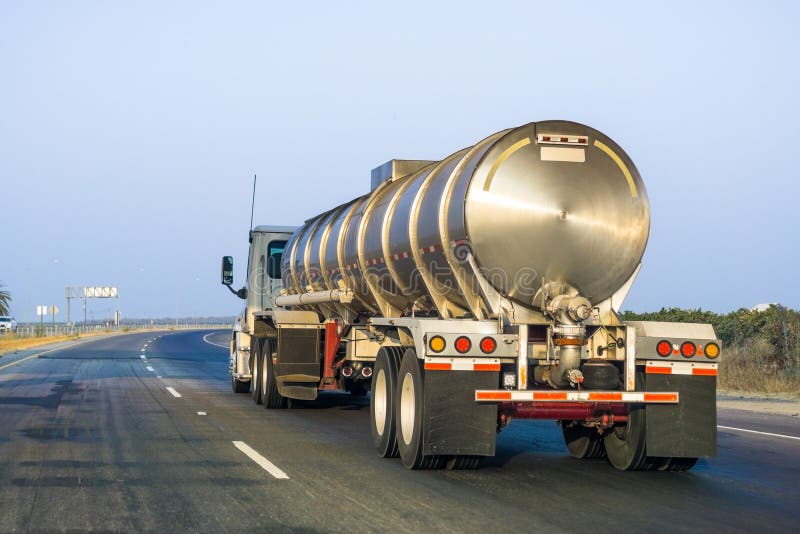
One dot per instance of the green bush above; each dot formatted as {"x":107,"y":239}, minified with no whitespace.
{"x":760,"y":349}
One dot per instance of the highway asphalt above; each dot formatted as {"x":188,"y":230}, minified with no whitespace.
{"x":141,"y":432}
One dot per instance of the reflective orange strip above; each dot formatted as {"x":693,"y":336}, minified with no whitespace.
{"x":493,"y":395}
{"x":660,"y":397}
{"x":439,"y":366}
{"x":605,"y":396}
{"x":704,"y":372}
{"x":487,"y":366}
{"x":659,"y":370}
{"x":546,"y":395}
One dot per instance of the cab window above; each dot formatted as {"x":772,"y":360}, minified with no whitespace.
{"x":274,"y":253}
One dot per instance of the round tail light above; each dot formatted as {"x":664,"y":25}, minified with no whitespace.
{"x":436,"y":344}
{"x":488,"y":345}
{"x":688,"y":349}
{"x":463,"y":344}
{"x":712,"y":350}
{"x":664,"y":348}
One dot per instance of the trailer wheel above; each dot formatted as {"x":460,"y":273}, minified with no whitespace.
{"x":463,"y":462}
{"x":676,"y":464}
{"x":255,"y":368}
{"x":409,"y":414}
{"x":381,"y":402}
{"x":625,"y":444}
{"x":582,"y":442}
{"x":270,"y":397}
{"x":238,"y":386}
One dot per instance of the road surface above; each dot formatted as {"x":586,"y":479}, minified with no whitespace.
{"x":141,"y":432}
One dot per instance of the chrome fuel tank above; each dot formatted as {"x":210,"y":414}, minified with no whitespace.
{"x":546,"y":202}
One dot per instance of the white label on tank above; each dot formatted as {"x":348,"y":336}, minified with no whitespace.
{"x":560,"y":153}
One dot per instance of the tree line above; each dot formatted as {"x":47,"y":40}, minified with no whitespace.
{"x":771,"y":335}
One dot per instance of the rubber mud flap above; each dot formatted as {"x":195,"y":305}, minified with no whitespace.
{"x":455,"y":423}
{"x":687,"y":429}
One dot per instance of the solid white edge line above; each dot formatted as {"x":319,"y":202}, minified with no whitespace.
{"x":265,"y":464}
{"x":174,"y":393}
{"x":757,"y":432}
{"x":212,"y":343}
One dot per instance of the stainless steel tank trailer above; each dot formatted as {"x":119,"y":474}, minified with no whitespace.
{"x":477,"y":289}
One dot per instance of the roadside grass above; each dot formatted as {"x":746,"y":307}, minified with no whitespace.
{"x":10,"y":342}
{"x":748,"y":369}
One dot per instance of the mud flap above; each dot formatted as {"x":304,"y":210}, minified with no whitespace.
{"x":454,"y":423}
{"x":687,"y":429}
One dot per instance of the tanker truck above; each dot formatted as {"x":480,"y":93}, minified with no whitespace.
{"x":467,"y":292}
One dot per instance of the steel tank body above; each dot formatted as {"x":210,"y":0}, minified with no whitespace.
{"x":552,"y":201}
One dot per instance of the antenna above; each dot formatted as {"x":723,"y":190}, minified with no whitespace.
{"x":253,"y":205}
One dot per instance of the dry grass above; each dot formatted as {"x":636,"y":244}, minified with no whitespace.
{"x":745,"y":369}
{"x":10,"y":342}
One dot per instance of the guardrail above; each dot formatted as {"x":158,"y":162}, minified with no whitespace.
{"x":35,"y":330}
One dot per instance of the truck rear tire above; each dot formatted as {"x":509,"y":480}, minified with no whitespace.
{"x":410,"y":414}
{"x":676,"y":464}
{"x":270,"y":397}
{"x":382,"y":401}
{"x":582,"y":442}
{"x":625,"y":443}
{"x":238,"y":386}
{"x":463,"y":462}
{"x":255,"y":367}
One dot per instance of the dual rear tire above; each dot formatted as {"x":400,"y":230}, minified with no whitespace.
{"x":268,"y":385}
{"x":626,"y":443}
{"x":397,"y":406}
{"x":264,"y":386}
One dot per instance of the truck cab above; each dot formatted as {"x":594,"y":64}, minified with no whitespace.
{"x":263,"y":284}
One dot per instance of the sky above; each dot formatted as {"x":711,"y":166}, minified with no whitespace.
{"x":130,"y":131}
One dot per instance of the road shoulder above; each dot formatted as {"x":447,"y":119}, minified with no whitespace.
{"x":769,"y":405}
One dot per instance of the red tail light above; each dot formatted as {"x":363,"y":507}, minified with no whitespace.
{"x":488,"y":345}
{"x":463,"y":344}
{"x":664,"y":348}
{"x":688,"y":349}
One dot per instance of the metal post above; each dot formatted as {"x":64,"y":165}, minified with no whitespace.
{"x":84,"y":307}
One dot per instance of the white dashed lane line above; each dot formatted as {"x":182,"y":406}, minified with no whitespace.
{"x":265,"y":464}
{"x":150,"y":369}
{"x":202,"y":413}
{"x":174,"y":393}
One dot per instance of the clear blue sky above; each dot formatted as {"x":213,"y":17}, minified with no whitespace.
{"x":129,"y":133}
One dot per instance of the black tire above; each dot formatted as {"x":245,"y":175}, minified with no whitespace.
{"x":625,"y":444}
{"x":582,"y":442}
{"x":270,"y":397}
{"x":676,"y":464}
{"x":238,"y":386}
{"x":382,"y":401}
{"x":409,"y":414}
{"x":255,"y":369}
{"x":463,"y":462}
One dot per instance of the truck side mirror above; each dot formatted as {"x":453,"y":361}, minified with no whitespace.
{"x":227,"y":270}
